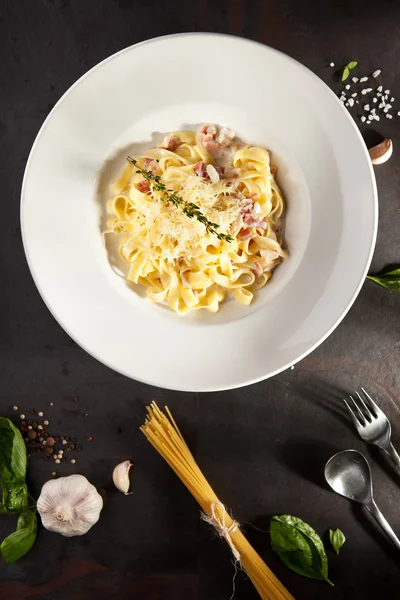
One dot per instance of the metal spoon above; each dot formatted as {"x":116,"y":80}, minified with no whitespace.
{"x":349,"y":475}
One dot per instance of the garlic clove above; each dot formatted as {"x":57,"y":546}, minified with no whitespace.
{"x":121,"y":476}
{"x":69,"y":505}
{"x":382,"y":152}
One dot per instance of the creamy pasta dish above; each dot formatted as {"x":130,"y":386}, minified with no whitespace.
{"x":199,"y":218}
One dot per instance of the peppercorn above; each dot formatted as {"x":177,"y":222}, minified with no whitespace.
{"x":89,"y":437}
{"x":32,"y":435}
{"x":51,"y":441}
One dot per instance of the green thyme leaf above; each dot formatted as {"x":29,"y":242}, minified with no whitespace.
{"x":190,"y":209}
{"x":337,"y":539}
{"x":352,"y":64}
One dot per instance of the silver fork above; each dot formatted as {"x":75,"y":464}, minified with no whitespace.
{"x":372,"y":424}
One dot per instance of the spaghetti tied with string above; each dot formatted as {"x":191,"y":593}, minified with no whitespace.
{"x":163,"y":433}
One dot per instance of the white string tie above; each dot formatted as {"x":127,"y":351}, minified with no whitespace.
{"x":220,"y":526}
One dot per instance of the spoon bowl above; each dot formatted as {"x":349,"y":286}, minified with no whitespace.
{"x":349,"y":475}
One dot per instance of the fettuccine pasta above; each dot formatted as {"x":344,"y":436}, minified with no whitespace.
{"x":171,"y":253}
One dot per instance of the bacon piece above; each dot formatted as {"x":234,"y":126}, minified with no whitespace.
{"x":170,"y":142}
{"x":258,"y":270}
{"x":244,"y":234}
{"x":212,"y":140}
{"x":143,"y":186}
{"x":200,"y":169}
{"x":210,"y":143}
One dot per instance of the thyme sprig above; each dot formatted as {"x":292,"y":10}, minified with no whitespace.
{"x":191,"y":210}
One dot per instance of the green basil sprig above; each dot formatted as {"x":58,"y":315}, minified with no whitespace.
{"x":21,"y":541}
{"x":389,"y":280}
{"x":300,"y":547}
{"x":15,"y":497}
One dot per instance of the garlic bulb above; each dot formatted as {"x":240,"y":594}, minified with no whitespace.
{"x":69,"y":505}
{"x":121,"y":476}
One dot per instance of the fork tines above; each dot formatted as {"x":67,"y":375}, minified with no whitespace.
{"x":364,"y":411}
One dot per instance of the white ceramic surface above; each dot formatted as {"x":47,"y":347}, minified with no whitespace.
{"x":270,"y":100}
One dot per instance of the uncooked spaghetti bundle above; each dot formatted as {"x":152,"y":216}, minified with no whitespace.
{"x":163,"y":433}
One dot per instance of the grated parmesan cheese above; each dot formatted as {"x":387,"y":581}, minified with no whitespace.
{"x":177,"y":235}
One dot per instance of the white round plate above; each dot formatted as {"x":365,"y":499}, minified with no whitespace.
{"x":176,"y":82}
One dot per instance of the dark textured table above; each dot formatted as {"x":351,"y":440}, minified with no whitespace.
{"x":263,"y":447}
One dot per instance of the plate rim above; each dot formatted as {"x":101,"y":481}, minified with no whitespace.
{"x":327,"y":89}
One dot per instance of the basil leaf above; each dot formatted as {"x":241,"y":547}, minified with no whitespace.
{"x":345,"y":73}
{"x":21,"y":541}
{"x":337,"y":539}
{"x":389,"y":280}
{"x":299,"y":547}
{"x":14,"y":497}
{"x":352,"y":64}
{"x":12,"y":451}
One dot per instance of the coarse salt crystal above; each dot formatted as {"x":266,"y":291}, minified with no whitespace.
{"x":332,"y":64}
{"x":363,"y":79}
{"x":398,"y":113}
{"x":388,"y":106}
{"x":385,"y":110}
{"x":389,"y":116}
{"x":350,"y":102}
{"x":363,"y":119}
{"x":366,"y":107}
{"x":374,"y":99}
{"x":391,"y":99}
{"x":377,"y":118}
{"x":354,"y":95}
{"x":347,"y":87}
{"x":380,"y":88}
{"x":376,"y":73}
{"x":354,"y":79}
{"x":387,"y":91}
